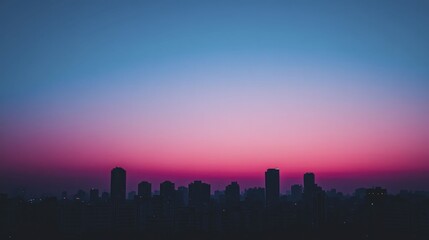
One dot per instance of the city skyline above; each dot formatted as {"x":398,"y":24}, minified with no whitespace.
{"x":217,"y":91}
{"x":193,"y":212}
{"x":119,"y":192}
{"x":214,"y":119}
{"x":344,"y":182}
{"x":121,"y":189}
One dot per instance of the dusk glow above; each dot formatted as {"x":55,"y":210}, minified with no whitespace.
{"x":218,"y":92}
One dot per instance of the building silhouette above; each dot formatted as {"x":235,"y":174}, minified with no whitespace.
{"x":319,"y":206}
{"x":319,"y":215}
{"x":167,"y":190}
{"x":118,"y":184}
{"x":272,"y":186}
{"x":232,"y":193}
{"x":199,"y":193}
{"x":314,"y":199}
{"x":144,"y":190}
{"x":309,"y":183}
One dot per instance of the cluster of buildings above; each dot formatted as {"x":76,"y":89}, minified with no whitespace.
{"x":199,"y":192}
{"x":193,"y":212}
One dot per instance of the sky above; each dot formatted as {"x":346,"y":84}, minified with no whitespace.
{"x":214,"y":90}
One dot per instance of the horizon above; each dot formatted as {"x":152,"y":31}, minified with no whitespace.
{"x":217,"y":91}
{"x":327,"y":182}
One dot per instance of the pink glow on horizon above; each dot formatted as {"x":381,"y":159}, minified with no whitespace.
{"x":229,"y":142}
{"x":220,"y":133}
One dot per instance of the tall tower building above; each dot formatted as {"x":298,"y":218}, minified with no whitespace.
{"x":145,"y":190}
{"x":167,"y":190}
{"x":309,"y":183}
{"x":199,"y":193}
{"x":232,"y":193}
{"x":118,"y":184}
{"x":272,"y":186}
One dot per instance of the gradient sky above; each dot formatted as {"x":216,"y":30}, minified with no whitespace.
{"x":214,"y":90}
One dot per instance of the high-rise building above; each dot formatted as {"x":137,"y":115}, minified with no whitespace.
{"x":272,"y":186}
{"x":145,"y":190}
{"x":319,"y":206}
{"x":309,"y":183}
{"x":199,"y":193}
{"x":167,"y":189}
{"x":118,"y":184}
{"x":232,"y":193}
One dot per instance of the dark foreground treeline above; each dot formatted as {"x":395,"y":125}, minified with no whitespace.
{"x":372,"y":216}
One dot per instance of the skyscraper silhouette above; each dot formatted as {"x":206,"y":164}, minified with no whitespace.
{"x":199,"y":193}
{"x":232,"y":193}
{"x":167,"y":189}
{"x":145,"y":190}
{"x":272,"y":186}
{"x":309,"y":185}
{"x":118,"y":184}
